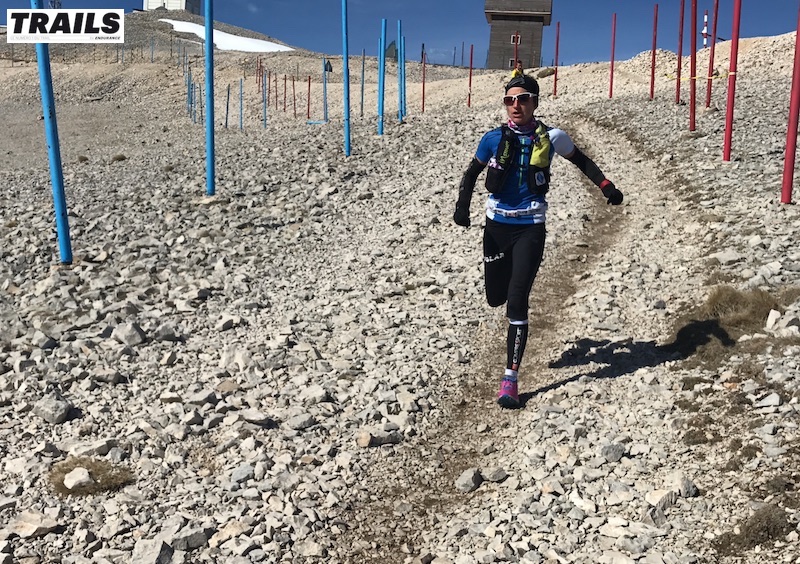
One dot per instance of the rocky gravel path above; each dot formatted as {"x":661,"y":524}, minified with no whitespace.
{"x":302,"y":368}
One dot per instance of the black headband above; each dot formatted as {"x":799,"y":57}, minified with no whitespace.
{"x":527,"y":82}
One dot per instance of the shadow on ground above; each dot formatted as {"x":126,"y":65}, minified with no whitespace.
{"x":624,"y":357}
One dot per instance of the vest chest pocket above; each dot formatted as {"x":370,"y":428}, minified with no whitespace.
{"x":539,"y":164}
{"x":538,"y":180}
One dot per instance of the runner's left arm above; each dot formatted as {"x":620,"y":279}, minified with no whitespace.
{"x":567,"y":149}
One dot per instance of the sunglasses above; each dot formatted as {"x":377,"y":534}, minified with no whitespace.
{"x":522,"y":98}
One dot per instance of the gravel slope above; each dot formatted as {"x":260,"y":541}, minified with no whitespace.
{"x":302,"y":368}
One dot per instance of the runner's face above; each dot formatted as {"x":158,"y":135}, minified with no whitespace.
{"x":521,"y":113}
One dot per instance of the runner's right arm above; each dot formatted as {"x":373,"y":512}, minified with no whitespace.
{"x":465,"y":189}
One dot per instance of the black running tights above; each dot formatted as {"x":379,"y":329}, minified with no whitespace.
{"x":511,"y":258}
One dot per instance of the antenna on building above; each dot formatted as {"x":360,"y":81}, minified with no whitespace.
{"x":55,"y":4}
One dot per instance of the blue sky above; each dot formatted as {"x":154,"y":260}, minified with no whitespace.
{"x":445,"y":25}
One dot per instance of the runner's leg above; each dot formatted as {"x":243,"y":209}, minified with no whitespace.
{"x":526,"y":258}
{"x":496,"y":262}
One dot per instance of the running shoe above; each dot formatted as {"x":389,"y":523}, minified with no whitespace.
{"x":507,"y":396}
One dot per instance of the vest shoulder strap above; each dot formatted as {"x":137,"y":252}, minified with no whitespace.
{"x":503,"y":160}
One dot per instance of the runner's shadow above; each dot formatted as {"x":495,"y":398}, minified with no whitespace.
{"x":625,"y":357}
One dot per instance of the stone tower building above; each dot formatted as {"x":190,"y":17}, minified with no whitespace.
{"x":516,"y":27}
{"x":192,"y":6}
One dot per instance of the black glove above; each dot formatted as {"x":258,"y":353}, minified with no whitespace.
{"x":461,"y":216}
{"x":612,"y":195}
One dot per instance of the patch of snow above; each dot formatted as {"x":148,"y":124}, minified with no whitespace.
{"x":228,"y":41}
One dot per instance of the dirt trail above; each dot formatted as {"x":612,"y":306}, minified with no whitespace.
{"x":411,"y":487}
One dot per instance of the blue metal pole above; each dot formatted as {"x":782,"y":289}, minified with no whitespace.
{"x":53,"y":147}
{"x":403,"y":45}
{"x":381,"y":75}
{"x":189,"y":92}
{"x":399,"y":73}
{"x":400,"y":70}
{"x":210,"y":156}
{"x":227,"y":106}
{"x":400,"y":78}
{"x":346,"y":73}
{"x":241,"y":104}
{"x":324,"y":91}
{"x":363,"y":59}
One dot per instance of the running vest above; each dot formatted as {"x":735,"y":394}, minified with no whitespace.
{"x":527,"y":151}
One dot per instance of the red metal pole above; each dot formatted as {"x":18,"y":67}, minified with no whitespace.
{"x":294,"y":98}
{"x":269,"y":84}
{"x":424,"y":61}
{"x":285,"y":82}
{"x":680,"y":55}
{"x":276,"y":91}
{"x":653,"y":54}
{"x":737,"y":20}
{"x":794,"y":116}
{"x":309,"y":97}
{"x":613,"y":46}
{"x":555,"y":74}
{"x":711,"y":54}
{"x":693,"y":70}
{"x":469,"y":92}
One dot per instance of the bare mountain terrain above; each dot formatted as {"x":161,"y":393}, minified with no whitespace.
{"x":302,"y":367}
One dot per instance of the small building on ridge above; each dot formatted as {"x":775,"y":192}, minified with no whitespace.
{"x":516,"y":30}
{"x":192,"y":6}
